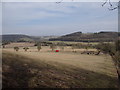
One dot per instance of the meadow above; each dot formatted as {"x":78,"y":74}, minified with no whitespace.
{"x":63,"y":69}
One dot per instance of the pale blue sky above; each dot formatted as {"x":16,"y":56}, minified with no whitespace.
{"x":41,"y":19}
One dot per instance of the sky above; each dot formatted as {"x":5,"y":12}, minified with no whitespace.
{"x":45,"y":19}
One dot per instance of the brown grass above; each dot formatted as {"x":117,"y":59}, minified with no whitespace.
{"x":97,"y":63}
{"x":20,"y":44}
{"x":32,"y":72}
{"x":64,"y":69}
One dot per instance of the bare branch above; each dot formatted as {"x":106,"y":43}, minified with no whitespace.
{"x":113,"y":8}
{"x":59,"y":1}
{"x":110,"y":3}
{"x":104,"y":3}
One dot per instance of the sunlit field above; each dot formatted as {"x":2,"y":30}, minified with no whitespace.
{"x":91,"y":70}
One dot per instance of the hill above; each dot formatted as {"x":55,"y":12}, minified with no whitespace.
{"x":21,"y":38}
{"x":24,"y":38}
{"x":88,"y":37}
{"x":77,"y":37}
{"x":16,"y":37}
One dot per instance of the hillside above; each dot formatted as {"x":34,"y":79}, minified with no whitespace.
{"x":16,"y":37}
{"x":91,"y":37}
{"x":20,"y":38}
{"x":31,"y":72}
{"x":77,"y":37}
{"x":24,"y":38}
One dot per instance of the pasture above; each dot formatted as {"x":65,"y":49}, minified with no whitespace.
{"x":60,"y":69}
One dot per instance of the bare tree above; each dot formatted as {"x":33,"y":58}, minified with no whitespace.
{"x":114,"y":51}
{"x":111,"y":6}
{"x":74,"y":46}
{"x":16,"y":48}
{"x":61,"y":45}
{"x":39,"y":47}
{"x":3,"y":46}
{"x":25,"y":48}
{"x":53,"y":46}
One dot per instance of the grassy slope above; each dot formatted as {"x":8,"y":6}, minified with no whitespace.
{"x":21,"y":71}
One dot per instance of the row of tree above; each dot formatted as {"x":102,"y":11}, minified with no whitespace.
{"x":17,"y":48}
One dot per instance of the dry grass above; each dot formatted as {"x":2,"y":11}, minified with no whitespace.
{"x":37,"y":73}
{"x":21,"y":44}
{"x":97,"y":63}
{"x":62,"y":69}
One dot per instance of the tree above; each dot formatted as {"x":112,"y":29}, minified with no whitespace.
{"x":86,"y":47}
{"x":4,"y":43}
{"x":16,"y":48}
{"x":111,"y":6}
{"x":113,"y":49}
{"x":116,"y":56}
{"x":25,"y":48}
{"x":53,"y":46}
{"x":61,"y":45}
{"x":117,"y":44}
{"x":39,"y":47}
{"x":3,"y":46}
{"x":74,"y":46}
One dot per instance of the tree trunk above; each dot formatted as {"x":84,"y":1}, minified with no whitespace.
{"x":117,"y":69}
{"x":118,"y":72}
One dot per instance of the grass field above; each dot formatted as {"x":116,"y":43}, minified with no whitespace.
{"x":63,"y":69}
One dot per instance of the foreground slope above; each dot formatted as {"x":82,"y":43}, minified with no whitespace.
{"x":28,"y":72}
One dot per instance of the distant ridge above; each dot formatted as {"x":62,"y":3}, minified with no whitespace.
{"x":23,"y":38}
{"x":88,"y":37}
{"x":76,"y":36}
{"x":15,"y":37}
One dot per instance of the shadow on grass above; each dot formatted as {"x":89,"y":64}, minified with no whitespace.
{"x":22,"y":72}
